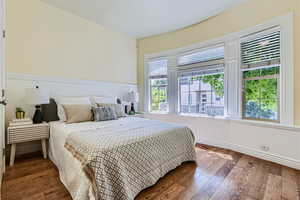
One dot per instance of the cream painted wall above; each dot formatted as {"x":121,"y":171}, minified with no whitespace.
{"x":240,"y":17}
{"x":47,"y":41}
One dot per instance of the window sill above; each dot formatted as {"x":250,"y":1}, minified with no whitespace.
{"x":203,"y":116}
{"x":159,"y":113}
{"x":241,"y":121}
{"x":267,"y":124}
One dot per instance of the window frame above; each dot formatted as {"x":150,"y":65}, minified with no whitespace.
{"x":284,"y":24}
{"x":278,"y":104}
{"x":250,"y":37}
{"x":148,"y":92}
{"x":161,"y":86}
{"x":217,"y":66}
{"x":232,"y":72}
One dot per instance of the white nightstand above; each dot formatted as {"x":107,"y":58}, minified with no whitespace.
{"x":141,"y":115}
{"x":27,"y":133}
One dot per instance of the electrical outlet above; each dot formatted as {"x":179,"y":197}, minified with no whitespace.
{"x":265,"y":148}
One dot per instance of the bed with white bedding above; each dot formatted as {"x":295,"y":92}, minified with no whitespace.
{"x":119,"y":158}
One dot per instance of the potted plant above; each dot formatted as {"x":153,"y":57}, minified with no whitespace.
{"x":20,"y":113}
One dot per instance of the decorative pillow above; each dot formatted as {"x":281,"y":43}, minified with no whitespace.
{"x":69,"y":101}
{"x":78,"y":113}
{"x":104,"y":113}
{"x":50,"y":111}
{"x":118,"y":108}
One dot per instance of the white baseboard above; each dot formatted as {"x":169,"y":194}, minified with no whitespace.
{"x":256,"y":153}
{"x":266,"y":156}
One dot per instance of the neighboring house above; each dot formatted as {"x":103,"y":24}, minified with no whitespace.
{"x":199,"y":97}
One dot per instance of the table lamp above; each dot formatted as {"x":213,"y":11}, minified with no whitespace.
{"x":132,"y":97}
{"x":36,"y":96}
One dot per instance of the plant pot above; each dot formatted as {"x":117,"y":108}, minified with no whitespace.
{"x":20,"y":114}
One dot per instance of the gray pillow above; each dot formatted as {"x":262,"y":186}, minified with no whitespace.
{"x":118,"y":108}
{"x":104,"y":113}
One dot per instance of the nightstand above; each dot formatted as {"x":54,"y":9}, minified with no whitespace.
{"x":27,"y":133}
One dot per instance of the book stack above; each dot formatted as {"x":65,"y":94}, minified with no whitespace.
{"x":20,"y":122}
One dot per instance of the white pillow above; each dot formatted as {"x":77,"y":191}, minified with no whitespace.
{"x":69,"y":101}
{"x":103,"y":99}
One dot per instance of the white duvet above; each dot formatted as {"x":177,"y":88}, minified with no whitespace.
{"x":70,"y":170}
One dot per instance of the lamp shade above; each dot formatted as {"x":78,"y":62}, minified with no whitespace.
{"x":36,"y":96}
{"x":132,"y":97}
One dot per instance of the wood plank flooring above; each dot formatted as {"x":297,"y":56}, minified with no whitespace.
{"x":219,"y":174}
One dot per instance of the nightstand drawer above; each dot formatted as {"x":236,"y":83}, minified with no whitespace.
{"x":24,"y":134}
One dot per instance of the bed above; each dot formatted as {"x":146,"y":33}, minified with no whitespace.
{"x":117,"y":159}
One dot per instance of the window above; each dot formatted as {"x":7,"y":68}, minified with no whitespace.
{"x":200,"y":83}
{"x":208,"y":83}
{"x":158,"y":83}
{"x":243,"y":75}
{"x":260,"y":65}
{"x":202,"y":56}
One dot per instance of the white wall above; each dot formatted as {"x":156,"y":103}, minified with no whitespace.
{"x":16,"y":84}
{"x":246,"y":137}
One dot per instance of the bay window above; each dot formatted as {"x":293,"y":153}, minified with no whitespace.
{"x":244,"y":75}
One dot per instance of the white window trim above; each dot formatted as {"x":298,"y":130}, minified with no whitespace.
{"x":285,"y":24}
{"x":147,"y":84}
{"x":232,"y":79}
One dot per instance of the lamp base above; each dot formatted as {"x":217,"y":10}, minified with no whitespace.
{"x":132,"y":108}
{"x":38,"y":116}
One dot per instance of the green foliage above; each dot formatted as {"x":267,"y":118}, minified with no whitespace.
{"x":216,"y":81}
{"x":159,"y":93}
{"x":260,"y":86}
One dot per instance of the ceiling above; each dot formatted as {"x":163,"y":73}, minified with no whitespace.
{"x":143,"y":18}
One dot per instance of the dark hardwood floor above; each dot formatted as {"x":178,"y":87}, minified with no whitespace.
{"x":219,"y":174}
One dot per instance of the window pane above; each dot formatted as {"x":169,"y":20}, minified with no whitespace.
{"x":158,"y":89}
{"x":202,"y":94}
{"x":158,"y":67}
{"x":261,"y":94}
{"x":202,"y":56}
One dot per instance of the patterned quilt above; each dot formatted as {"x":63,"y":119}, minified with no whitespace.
{"x":123,"y":159}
